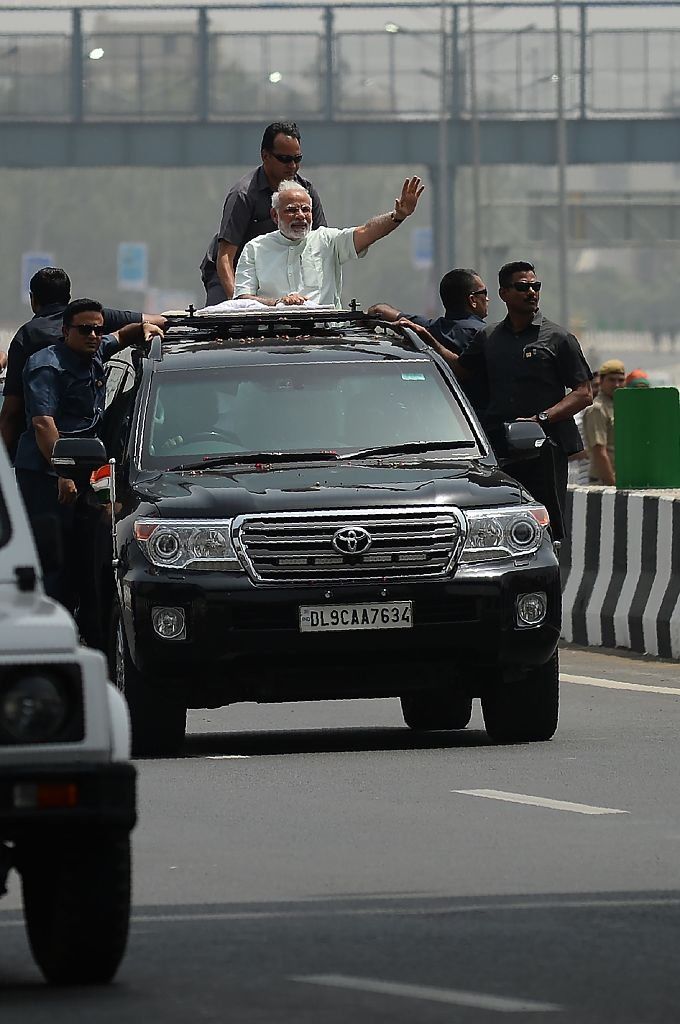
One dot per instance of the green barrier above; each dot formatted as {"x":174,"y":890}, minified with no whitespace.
{"x":647,"y":437}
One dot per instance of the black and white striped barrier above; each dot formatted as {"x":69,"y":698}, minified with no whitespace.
{"x":621,"y":570}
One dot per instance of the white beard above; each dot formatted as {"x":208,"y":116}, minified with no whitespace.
{"x":295,"y":234}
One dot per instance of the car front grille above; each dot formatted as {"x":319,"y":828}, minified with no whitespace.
{"x":413,"y":543}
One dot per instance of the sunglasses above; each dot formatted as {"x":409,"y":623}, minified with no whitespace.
{"x":524,"y":286}
{"x":286,"y":158}
{"x":480,"y":291}
{"x":87,"y":329}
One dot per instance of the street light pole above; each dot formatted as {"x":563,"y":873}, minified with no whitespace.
{"x":561,"y":147}
{"x":476,"y":148}
{"x":443,"y":150}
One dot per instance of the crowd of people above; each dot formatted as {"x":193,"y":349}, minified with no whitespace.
{"x":273,"y":245}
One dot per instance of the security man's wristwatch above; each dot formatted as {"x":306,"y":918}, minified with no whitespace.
{"x":543,"y":418}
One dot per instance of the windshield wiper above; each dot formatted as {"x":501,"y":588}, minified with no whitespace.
{"x":237,"y":458}
{"x":408,"y":446}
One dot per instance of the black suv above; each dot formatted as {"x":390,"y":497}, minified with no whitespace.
{"x":308,"y":509}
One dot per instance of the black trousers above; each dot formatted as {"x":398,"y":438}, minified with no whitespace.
{"x":545,"y":477}
{"x":73,"y":582}
{"x":41,"y":498}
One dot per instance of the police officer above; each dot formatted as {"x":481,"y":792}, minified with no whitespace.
{"x":50,"y":292}
{"x":247,"y":208}
{"x":64,"y":396}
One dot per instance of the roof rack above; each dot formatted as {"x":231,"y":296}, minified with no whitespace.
{"x":266,"y":318}
{"x":192,"y":326}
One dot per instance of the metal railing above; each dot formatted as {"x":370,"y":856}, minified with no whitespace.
{"x":97,"y":65}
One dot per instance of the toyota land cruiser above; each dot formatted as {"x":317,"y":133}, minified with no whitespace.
{"x":306,"y":507}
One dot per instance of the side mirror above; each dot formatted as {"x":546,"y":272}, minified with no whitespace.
{"x":523,"y":440}
{"x":73,"y":456}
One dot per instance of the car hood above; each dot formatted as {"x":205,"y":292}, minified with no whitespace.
{"x":220,"y":495}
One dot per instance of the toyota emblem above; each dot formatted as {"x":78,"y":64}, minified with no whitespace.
{"x":352,"y":540}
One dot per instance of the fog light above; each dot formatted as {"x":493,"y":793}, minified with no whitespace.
{"x":169,"y":623}
{"x":531,"y":609}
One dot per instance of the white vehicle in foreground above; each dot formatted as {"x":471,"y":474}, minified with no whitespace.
{"x":67,"y":789}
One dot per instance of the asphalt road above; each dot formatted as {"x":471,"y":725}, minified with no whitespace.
{"x":319,"y":863}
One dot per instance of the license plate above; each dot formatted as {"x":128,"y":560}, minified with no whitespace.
{"x":320,"y":618}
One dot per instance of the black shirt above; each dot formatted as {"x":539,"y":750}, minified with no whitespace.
{"x":454,"y":330}
{"x":528,"y":372}
{"x":44,"y":330}
{"x":247,"y":213}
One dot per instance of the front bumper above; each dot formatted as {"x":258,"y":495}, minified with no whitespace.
{"x":243,"y":642}
{"x":100,"y":796}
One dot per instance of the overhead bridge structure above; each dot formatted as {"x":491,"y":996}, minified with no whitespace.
{"x":372,"y":84}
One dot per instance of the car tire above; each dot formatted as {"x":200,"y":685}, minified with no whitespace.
{"x":158,"y":720}
{"x":429,"y":711}
{"x":76,"y":898}
{"x":526,"y":711}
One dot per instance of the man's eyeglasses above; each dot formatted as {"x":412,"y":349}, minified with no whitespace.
{"x":286,"y":158}
{"x":87,"y":329}
{"x":296,"y":208}
{"x":480,"y":291}
{"x":524,"y":286}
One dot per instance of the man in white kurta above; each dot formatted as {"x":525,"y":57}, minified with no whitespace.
{"x":296,"y":264}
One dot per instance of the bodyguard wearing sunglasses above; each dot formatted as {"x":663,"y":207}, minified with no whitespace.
{"x":535,"y":370}
{"x":247,"y":208}
{"x":64,"y":396}
{"x":466,"y":304}
{"x":50,"y":293}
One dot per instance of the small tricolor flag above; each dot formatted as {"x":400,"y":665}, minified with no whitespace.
{"x":100,"y":482}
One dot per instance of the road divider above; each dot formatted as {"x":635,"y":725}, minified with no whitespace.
{"x":621,"y":570}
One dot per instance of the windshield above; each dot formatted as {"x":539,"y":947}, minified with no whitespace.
{"x":316,"y":407}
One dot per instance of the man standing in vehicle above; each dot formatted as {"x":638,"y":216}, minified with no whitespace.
{"x":299,"y":264}
{"x":247,"y":208}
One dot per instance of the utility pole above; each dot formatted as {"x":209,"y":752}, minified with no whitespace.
{"x":442,"y":256}
{"x":561,"y":147}
{"x":476,"y":148}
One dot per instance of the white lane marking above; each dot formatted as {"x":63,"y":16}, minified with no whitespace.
{"x":453,"y":997}
{"x":616,"y":684}
{"x":399,"y":911}
{"x":538,"y":801}
{"x":227,"y":757}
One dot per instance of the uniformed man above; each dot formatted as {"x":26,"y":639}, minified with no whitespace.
{"x":50,"y":291}
{"x":598,"y":425}
{"x":64,"y":396}
{"x":247,"y":208}
{"x":534,"y":370}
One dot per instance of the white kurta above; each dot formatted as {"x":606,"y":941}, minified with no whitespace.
{"x":272,"y":265}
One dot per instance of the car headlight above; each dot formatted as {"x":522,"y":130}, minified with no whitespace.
{"x":504,"y":532}
{"x":33,"y":708}
{"x":182,"y":544}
